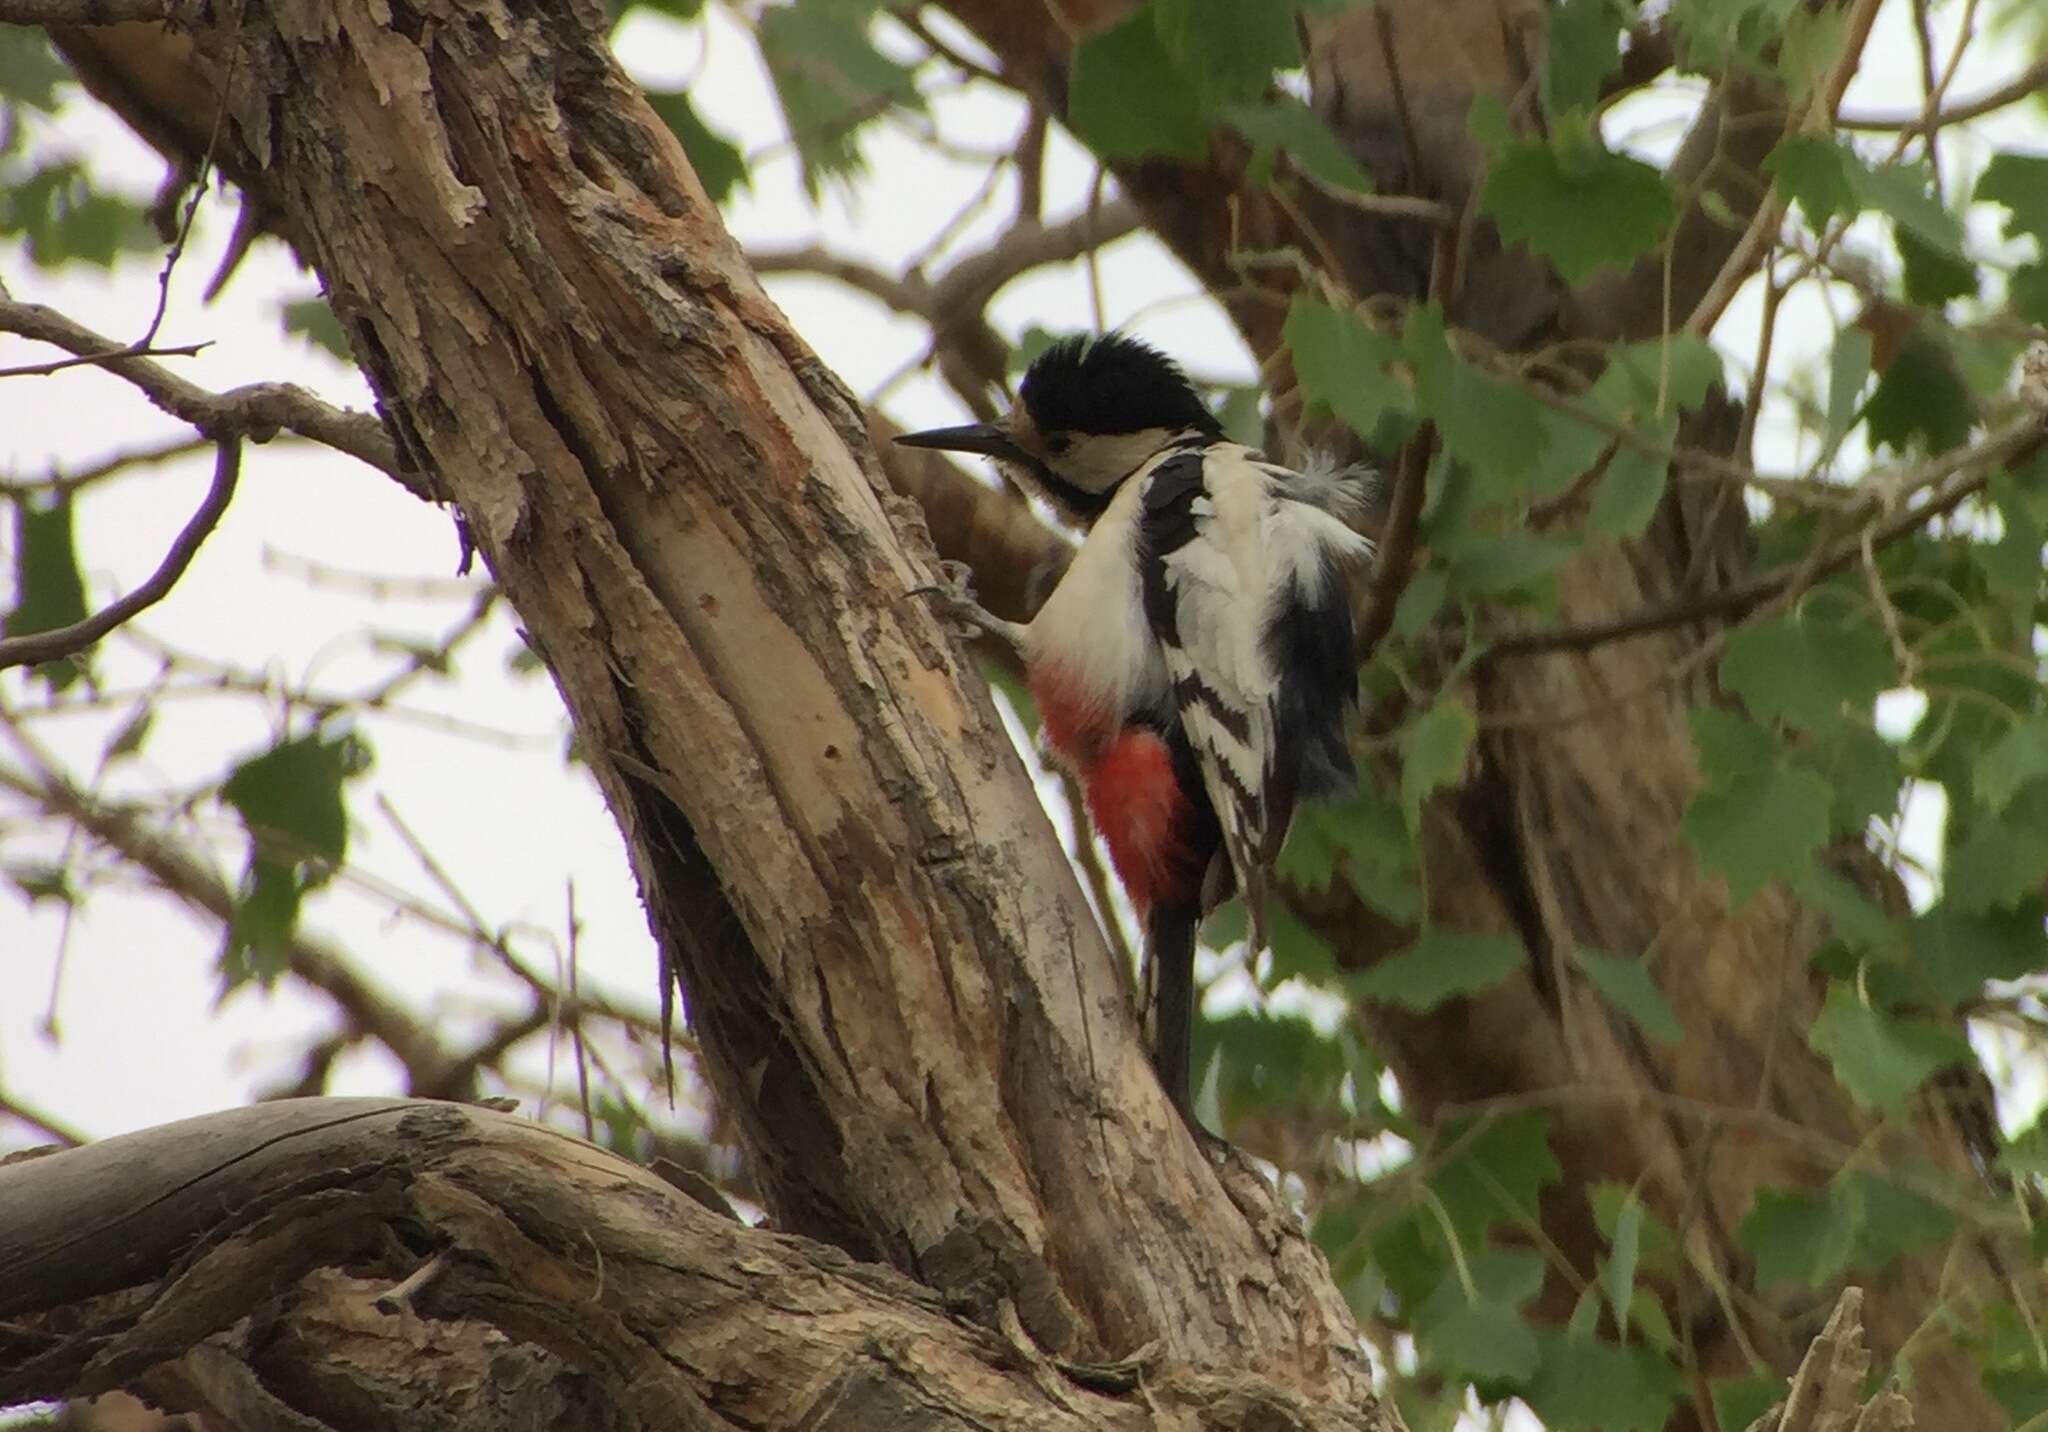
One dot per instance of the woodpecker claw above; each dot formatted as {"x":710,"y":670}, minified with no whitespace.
{"x":953,"y":601}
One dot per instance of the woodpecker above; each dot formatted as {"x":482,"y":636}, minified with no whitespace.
{"x":1194,"y":665}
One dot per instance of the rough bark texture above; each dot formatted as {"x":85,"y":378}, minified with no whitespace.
{"x":354,"y":1263}
{"x":897,"y":985}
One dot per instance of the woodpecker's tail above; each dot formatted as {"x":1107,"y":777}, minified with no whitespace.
{"x":1170,"y":942}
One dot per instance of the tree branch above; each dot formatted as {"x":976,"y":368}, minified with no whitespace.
{"x":2027,"y":82}
{"x":99,"y":12}
{"x":256,"y":410}
{"x":35,"y":648}
{"x":1955,"y":481}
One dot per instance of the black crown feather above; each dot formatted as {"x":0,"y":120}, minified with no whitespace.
{"x":1111,"y":384}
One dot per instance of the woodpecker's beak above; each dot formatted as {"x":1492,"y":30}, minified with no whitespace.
{"x":985,"y":438}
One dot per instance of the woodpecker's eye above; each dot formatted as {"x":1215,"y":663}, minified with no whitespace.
{"x":1056,"y":444}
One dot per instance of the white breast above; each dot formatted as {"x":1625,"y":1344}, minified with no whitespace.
{"x":1092,"y":628}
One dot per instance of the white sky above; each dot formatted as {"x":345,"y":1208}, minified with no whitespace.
{"x":140,"y":1040}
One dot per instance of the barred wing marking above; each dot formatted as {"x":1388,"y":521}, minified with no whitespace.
{"x":1241,"y":589}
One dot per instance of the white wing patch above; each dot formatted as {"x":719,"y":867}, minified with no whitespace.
{"x":1228,"y":549}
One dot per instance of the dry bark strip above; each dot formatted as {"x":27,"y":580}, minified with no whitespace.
{"x":343,"y":1263}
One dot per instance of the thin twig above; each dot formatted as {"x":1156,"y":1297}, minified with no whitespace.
{"x":256,"y":411}
{"x":2026,"y":83}
{"x":35,"y":648}
{"x":1963,"y":477}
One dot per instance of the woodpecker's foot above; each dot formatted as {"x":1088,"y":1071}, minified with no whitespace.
{"x":953,"y":600}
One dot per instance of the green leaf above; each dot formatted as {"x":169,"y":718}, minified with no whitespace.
{"x":29,"y":71}
{"x":1795,"y":1237}
{"x":1743,"y":1399}
{"x":1228,"y":49}
{"x":831,"y":82}
{"x":1627,"y":985}
{"x":313,"y":320}
{"x":1283,"y":123}
{"x":1955,"y":951}
{"x":1441,"y":965}
{"x":1828,"y":180}
{"x":1127,"y":101}
{"x":1759,"y":829}
{"x":1299,"y":952}
{"x":1733,"y":751}
{"x":1618,"y":1275}
{"x":1591,"y":1383}
{"x":1901,"y":193}
{"x":38,"y":882}
{"x":1582,"y":47}
{"x":2019,"y":756}
{"x":1496,"y":1174}
{"x":65,"y":219}
{"x":49,"y":589}
{"x":290,"y":802}
{"x":1269,"y":1063}
{"x":1492,"y":425}
{"x":1420,"y":602}
{"x":1848,"y":371}
{"x":1514,"y":563}
{"x":1814,"y":173}
{"x":720,"y":165}
{"x":2019,"y":182}
{"x":1434,"y":747}
{"x":1474,"y":1332}
{"x":128,"y":740}
{"x":2003,"y":859}
{"x":2026,"y":292}
{"x":1345,"y":366}
{"x":1881,"y":1058}
{"x":1921,"y":397}
{"x":1853,"y":918}
{"x":1933,"y":276}
{"x":1541,"y":197}
{"x":1891,"y":1221}
{"x":1480,"y":1342}
{"x":1808,"y":670}
{"x":1862,"y":768}
{"x":1632,"y":486}
{"x":1657,"y":1247}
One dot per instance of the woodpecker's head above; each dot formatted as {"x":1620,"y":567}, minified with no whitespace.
{"x":1089,"y":412}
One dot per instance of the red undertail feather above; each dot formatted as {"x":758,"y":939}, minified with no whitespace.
{"x":1138,"y":806}
{"x":1133,"y":796}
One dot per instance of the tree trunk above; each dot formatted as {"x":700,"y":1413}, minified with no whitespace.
{"x":898,"y":989}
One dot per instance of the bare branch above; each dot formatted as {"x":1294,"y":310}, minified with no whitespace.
{"x":2026,"y":83}
{"x":37,"y":647}
{"x":257,"y":411}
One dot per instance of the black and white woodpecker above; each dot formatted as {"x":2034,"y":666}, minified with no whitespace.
{"x":1194,"y":665}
